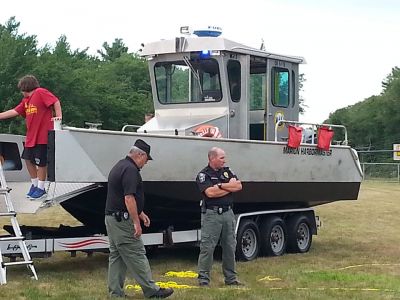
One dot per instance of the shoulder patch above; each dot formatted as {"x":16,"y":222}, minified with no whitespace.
{"x":202,"y":177}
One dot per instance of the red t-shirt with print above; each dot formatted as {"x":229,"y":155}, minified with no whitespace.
{"x":37,"y":112}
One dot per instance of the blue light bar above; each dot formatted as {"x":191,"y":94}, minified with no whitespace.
{"x":210,"y":31}
{"x":205,"y":54}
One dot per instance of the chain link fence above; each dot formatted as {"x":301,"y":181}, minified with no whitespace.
{"x":389,"y":172}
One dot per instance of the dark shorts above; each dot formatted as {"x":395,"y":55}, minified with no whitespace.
{"x":37,"y":155}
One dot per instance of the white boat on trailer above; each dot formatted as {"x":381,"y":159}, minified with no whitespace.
{"x":202,"y":84}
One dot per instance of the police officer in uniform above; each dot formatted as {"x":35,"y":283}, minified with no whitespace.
{"x":124,"y":210}
{"x":217,"y":184}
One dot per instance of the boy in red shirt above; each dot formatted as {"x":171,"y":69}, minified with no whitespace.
{"x":37,"y":108}
{"x":1,"y":154}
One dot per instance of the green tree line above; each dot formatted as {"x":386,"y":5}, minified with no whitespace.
{"x":374,"y":123}
{"x":112,"y":88}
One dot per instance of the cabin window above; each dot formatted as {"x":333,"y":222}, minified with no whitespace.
{"x":189,"y":80}
{"x":293,"y":94}
{"x":234,"y":78}
{"x":280,"y":87}
{"x":257,"y":91}
{"x":258,"y":68}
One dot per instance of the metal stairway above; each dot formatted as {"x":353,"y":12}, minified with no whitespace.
{"x":10,"y":212}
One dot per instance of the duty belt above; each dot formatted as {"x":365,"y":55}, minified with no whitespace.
{"x":119,"y":215}
{"x":220,"y":209}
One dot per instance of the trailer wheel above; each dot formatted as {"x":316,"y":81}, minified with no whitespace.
{"x":248,"y":237}
{"x":273,"y":236}
{"x":300,"y":236}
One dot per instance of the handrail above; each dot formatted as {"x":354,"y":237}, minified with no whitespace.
{"x":313,"y":127}
{"x":130,"y":126}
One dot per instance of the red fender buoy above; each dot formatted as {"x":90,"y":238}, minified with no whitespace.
{"x":208,"y":131}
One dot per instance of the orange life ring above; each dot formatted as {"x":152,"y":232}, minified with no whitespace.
{"x":208,"y":131}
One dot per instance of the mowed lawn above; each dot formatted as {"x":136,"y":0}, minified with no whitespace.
{"x":356,"y":255}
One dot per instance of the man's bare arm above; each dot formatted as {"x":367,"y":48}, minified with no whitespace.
{"x":145,"y":218}
{"x":130,"y":203}
{"x":8,"y":114}
{"x":57,"y":111}
{"x":234,"y":185}
{"x":215,"y":192}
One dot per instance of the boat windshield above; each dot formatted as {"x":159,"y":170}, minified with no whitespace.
{"x":192,"y":79}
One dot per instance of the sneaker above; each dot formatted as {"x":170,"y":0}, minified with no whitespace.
{"x":234,"y":283}
{"x":163,"y":293}
{"x":38,"y":193}
{"x":31,"y":190}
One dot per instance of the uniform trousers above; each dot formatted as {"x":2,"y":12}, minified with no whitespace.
{"x":127,"y":253}
{"x":215,"y":227}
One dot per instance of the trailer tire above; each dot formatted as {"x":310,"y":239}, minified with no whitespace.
{"x":248,"y":241}
{"x":299,"y":234}
{"x":273,"y":236}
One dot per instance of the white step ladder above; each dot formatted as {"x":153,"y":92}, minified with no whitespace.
{"x":5,"y":194}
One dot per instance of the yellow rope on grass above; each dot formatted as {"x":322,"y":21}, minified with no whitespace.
{"x":181,"y":274}
{"x":168,"y":284}
{"x":269,"y":278}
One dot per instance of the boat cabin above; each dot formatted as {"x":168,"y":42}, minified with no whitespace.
{"x":209,"y":81}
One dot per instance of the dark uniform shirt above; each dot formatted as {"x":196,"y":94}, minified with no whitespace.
{"x":208,"y":177}
{"x":124,"y":179}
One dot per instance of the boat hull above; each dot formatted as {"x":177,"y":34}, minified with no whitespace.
{"x":78,"y":155}
{"x":273,"y":175}
{"x":167,"y":209}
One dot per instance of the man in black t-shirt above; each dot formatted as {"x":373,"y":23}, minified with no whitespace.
{"x":217,"y":183}
{"x":124,"y":210}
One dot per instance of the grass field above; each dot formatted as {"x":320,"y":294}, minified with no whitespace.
{"x":355,"y":256}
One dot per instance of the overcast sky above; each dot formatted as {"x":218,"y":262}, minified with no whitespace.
{"x":350,"y":45}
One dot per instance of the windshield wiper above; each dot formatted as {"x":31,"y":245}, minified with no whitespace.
{"x":195,"y":73}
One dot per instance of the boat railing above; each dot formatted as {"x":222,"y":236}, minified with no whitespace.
{"x":313,"y":127}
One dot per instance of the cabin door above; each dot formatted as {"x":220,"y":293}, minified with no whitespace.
{"x":257,"y":97}
{"x":282,"y":95}
{"x":236,"y":66}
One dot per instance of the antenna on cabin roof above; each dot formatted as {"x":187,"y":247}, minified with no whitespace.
{"x":185,"y":30}
{"x":262,"y":47}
